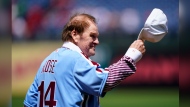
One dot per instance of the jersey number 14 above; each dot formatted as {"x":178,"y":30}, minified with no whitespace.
{"x":50,"y":90}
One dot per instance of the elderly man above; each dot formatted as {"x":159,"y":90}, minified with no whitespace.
{"x":69,"y":78}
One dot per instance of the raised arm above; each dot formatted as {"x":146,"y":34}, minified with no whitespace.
{"x":125,"y":66}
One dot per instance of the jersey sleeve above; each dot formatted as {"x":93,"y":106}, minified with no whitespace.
{"x":32,"y":95}
{"x":89,"y":77}
{"x":118,"y":72}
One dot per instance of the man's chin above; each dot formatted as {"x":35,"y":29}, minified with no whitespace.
{"x":92,"y":54}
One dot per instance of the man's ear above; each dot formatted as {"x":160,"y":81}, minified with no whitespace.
{"x":75,"y":36}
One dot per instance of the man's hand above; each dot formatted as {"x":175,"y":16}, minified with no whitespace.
{"x":136,"y":50}
{"x":139,"y":45}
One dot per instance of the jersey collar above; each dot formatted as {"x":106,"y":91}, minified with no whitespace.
{"x":71,"y":46}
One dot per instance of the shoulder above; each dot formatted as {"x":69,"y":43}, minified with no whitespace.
{"x":64,"y":52}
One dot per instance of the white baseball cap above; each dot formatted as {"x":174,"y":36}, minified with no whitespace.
{"x":155,"y":27}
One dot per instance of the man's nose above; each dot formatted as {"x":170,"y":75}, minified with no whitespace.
{"x":96,"y":41}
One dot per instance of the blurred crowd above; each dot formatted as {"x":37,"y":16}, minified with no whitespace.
{"x":5,"y":15}
{"x":44,"y":19}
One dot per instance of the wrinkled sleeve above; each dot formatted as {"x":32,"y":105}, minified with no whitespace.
{"x":118,"y":72}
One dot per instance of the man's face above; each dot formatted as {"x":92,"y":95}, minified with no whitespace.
{"x":89,"y":39}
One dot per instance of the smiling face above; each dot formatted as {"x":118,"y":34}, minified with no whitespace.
{"x":87,"y":40}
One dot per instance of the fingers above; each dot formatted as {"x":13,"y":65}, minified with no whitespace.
{"x":143,"y":50}
{"x":140,"y":38}
{"x":139,"y":45}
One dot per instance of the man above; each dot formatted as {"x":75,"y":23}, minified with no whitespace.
{"x":69,"y":78}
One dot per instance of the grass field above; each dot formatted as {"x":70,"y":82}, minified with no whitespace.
{"x":132,"y":97}
{"x":142,"y":97}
